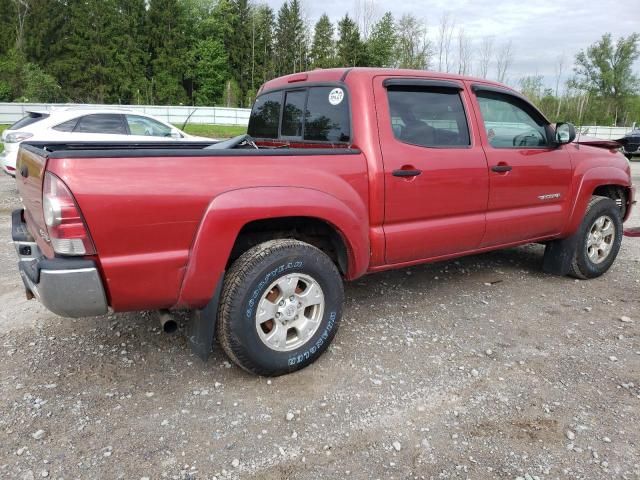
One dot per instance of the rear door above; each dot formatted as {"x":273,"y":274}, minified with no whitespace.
{"x":529,"y":176}
{"x":435,"y":171}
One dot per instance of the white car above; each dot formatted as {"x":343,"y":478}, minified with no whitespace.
{"x":82,"y":123}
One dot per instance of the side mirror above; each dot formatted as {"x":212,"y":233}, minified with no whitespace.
{"x":175,"y":134}
{"x":565,"y":133}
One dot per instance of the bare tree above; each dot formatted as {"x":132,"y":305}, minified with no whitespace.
{"x":485,"y":55}
{"x":413,"y":46}
{"x":504,"y":60}
{"x":365,"y":16}
{"x":445,"y":35}
{"x":22,"y":10}
{"x":465,"y":52}
{"x":559,"y":70}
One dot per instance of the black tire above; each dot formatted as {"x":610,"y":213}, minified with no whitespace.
{"x":582,"y":266}
{"x":245,"y":284}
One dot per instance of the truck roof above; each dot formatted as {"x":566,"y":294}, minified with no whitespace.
{"x":340,"y":74}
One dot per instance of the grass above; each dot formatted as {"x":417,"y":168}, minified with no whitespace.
{"x":211,"y":131}
{"x":215,"y":131}
{"x":2,"y":128}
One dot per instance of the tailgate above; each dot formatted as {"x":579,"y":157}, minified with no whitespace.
{"x":30,"y":169}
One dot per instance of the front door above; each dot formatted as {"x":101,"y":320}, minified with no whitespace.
{"x":435,"y":171}
{"x":529,"y":176}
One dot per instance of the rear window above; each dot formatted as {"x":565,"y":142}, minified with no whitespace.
{"x":30,"y":119}
{"x":318,"y":114}
{"x":292,"y":115}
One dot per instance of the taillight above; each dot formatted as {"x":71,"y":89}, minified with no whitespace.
{"x":66,"y":228}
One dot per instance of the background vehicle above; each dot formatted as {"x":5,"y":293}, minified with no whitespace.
{"x":80,"y":123}
{"x":631,"y":144}
{"x":347,"y":171}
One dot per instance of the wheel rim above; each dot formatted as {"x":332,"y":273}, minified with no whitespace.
{"x":290,"y":312}
{"x":600,"y":240}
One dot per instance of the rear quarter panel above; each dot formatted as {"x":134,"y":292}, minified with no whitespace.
{"x":143,"y":213}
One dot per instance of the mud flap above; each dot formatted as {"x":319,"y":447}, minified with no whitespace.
{"x":203,"y":325}
{"x":559,"y":254}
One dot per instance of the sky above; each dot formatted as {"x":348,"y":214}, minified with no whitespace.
{"x":541,"y":31}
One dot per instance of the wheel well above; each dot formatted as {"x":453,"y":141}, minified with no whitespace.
{"x":617,"y":193}
{"x":310,"y":230}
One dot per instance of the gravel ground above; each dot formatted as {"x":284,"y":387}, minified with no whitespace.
{"x":478,"y":368}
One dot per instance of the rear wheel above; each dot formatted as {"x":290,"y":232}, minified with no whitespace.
{"x":280,"y":307}
{"x":600,"y":236}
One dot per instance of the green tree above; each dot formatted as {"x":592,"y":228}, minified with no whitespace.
{"x":350,"y":48}
{"x":413,"y":49}
{"x":264,"y":68}
{"x":323,"y":47}
{"x":240,"y":47}
{"x":167,"y":34}
{"x":209,"y":71}
{"x":606,"y":70}
{"x":290,"y":39}
{"x":38,"y":86}
{"x":382,"y":42}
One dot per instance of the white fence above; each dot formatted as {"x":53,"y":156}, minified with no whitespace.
{"x":12,"y":112}
{"x":607,"y":133}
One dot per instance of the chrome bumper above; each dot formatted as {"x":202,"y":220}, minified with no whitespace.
{"x":69,"y":287}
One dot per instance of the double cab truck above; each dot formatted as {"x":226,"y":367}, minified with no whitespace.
{"x":343,"y":172}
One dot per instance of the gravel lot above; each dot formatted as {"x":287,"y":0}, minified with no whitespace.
{"x":478,"y":368}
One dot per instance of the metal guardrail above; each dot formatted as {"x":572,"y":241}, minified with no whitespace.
{"x":12,"y":112}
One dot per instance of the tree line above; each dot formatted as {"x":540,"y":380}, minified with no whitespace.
{"x":204,"y":52}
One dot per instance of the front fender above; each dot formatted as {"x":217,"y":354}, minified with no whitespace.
{"x":589,"y":181}
{"x":230,"y":211}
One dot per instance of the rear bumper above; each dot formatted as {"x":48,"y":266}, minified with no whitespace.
{"x":69,"y":287}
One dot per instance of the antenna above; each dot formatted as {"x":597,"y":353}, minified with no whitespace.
{"x":187,"y":119}
{"x":582,"y":104}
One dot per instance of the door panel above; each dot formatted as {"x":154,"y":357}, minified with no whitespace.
{"x":529,"y":200}
{"x":442,"y":209}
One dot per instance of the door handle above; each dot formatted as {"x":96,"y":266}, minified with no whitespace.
{"x":501,"y":168}
{"x":406,"y":173}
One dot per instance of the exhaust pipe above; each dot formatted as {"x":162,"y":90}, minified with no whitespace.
{"x":167,"y":322}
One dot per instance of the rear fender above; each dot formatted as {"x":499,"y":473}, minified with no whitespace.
{"x":590,"y":180}
{"x":230,"y":211}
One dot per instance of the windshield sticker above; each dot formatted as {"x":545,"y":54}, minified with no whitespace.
{"x":336,"y":96}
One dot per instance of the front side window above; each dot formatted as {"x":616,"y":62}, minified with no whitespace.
{"x":265,"y":116}
{"x":508,"y":123}
{"x":146,"y":126}
{"x":101,"y":123}
{"x":428,"y":116}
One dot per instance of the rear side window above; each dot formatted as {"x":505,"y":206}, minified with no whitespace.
{"x":265,"y":116}
{"x":319,"y":114}
{"x":428,"y":116}
{"x":67,"y":126}
{"x":30,"y":119}
{"x":101,"y":123}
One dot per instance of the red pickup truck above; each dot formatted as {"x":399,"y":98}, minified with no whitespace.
{"x":343,"y":172}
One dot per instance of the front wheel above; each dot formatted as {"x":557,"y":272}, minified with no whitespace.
{"x":280,"y":307}
{"x":600,"y":236}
